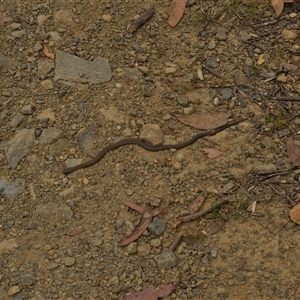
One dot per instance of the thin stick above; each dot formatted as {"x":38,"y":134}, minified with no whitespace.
{"x":287,"y":98}
{"x":212,"y":71}
{"x":200,"y":213}
{"x":176,"y":241}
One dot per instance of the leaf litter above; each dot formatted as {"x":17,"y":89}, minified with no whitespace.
{"x":152,"y":293}
{"x":205,"y":121}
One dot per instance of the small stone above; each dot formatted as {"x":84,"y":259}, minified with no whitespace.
{"x":132,"y":248}
{"x":85,"y":181}
{"x":211,"y":45}
{"x":106,"y":18}
{"x":262,"y":169}
{"x":283,"y":132}
{"x":165,"y":260}
{"x":13,"y":290}
{"x":144,"y":70}
{"x":170,"y":70}
{"x":47,"y":84}
{"x":143,"y":250}
{"x":155,"y":243}
{"x":183,"y":100}
{"x":221,"y":34}
{"x":281,"y":78}
{"x":212,"y":62}
{"x":245,"y":36}
{"x":289,"y":34}
{"x":127,"y":132}
{"x":19,"y":33}
{"x":17,"y":120}
{"x":221,"y":290}
{"x":28,"y":279}
{"x":267,"y":142}
{"x":157,"y":226}
{"x":113,"y":281}
{"x":26,"y":110}
{"x":69,"y":261}
{"x":129,"y":192}
{"x":188,"y":110}
{"x":37,"y":47}
{"x":227,"y":93}
{"x":241,"y":79}
{"x":152,"y":134}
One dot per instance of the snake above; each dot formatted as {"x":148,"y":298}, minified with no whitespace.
{"x":137,"y":141}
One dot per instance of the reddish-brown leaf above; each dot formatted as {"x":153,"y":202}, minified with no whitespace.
{"x":295,"y":214}
{"x":145,"y":221}
{"x":152,"y":293}
{"x":134,"y":206}
{"x":278,"y":6}
{"x":166,"y":200}
{"x":205,"y":121}
{"x":176,"y":11}
{"x":293,"y":151}
{"x":47,"y":53}
{"x":297,"y":295}
{"x":212,"y":153}
{"x":76,"y":231}
{"x":195,"y":204}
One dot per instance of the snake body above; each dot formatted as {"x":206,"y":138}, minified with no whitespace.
{"x":136,"y":141}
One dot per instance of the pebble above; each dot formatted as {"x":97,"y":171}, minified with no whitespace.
{"x":19,"y":33}
{"x":165,"y":260}
{"x":155,"y":243}
{"x":170,"y":70}
{"x":113,"y":281}
{"x":13,"y":290}
{"x":106,"y":18}
{"x":69,"y":261}
{"x":157,"y":227}
{"x":26,"y":110}
{"x":152,"y":134}
{"x":281,"y":78}
{"x":129,"y":192}
{"x":289,"y":34}
{"x":212,"y":62}
{"x":241,"y":79}
{"x":143,"y":250}
{"x":227,"y":93}
{"x":221,"y":34}
{"x":264,"y":168}
{"x":28,"y":279}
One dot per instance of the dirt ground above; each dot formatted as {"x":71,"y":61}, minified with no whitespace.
{"x":59,"y":233}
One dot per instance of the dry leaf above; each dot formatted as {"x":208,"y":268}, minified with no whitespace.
{"x":278,"y":6}
{"x":205,"y":121}
{"x":297,"y":295}
{"x":147,"y":215}
{"x":47,"y":53}
{"x":176,"y":11}
{"x":195,"y":204}
{"x":152,"y":293}
{"x":145,"y":221}
{"x":295,"y":214}
{"x":293,"y":151}
{"x":212,"y":153}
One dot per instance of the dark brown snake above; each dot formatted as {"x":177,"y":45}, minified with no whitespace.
{"x":136,"y":141}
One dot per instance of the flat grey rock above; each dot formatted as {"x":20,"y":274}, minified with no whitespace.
{"x":71,"y":69}
{"x":19,"y":146}
{"x":11,"y":189}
